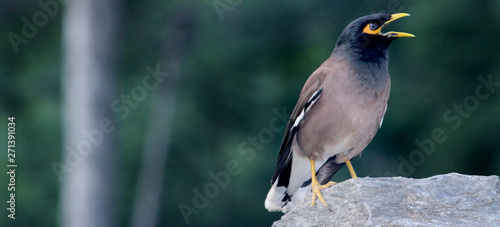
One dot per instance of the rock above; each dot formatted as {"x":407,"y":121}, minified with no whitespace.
{"x":444,"y":200}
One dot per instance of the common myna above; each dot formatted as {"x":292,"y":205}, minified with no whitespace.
{"x":339,"y":110}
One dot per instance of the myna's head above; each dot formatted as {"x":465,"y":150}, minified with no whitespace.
{"x":364,"y":35}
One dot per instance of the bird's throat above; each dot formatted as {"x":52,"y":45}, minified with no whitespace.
{"x":371,"y":75}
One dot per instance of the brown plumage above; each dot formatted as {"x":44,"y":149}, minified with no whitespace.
{"x":346,"y":117}
{"x":338,"y":113}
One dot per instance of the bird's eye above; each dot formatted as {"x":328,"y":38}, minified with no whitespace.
{"x":372,"y":28}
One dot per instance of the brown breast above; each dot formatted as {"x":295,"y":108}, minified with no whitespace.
{"x":348,"y":123}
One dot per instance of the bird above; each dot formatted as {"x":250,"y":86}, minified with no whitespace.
{"x":339,"y":111}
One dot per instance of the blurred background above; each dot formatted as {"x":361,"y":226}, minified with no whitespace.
{"x":171,"y":113}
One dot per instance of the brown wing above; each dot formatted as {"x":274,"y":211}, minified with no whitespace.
{"x":310,"y":93}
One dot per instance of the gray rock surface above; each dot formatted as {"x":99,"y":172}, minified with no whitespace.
{"x":444,"y":200}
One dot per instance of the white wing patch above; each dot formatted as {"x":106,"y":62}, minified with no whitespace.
{"x":298,"y":120}
{"x":381,"y":121}
{"x":308,"y":106}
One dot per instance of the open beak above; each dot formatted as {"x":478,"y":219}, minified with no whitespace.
{"x":396,"y":34}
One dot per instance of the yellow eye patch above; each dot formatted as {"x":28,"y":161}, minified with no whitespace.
{"x":372,"y":29}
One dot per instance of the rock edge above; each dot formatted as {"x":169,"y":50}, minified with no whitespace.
{"x":443,"y":200}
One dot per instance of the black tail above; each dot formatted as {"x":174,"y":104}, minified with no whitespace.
{"x":326,"y":172}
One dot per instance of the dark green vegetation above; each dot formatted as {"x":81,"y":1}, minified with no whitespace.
{"x":442,"y":116}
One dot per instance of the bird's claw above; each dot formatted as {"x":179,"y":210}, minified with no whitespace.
{"x":327,"y":185}
{"x":316,"y":193}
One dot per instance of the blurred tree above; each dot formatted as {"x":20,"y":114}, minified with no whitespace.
{"x":89,"y":185}
{"x":146,"y":207}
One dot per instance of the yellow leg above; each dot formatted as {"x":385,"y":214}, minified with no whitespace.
{"x":351,"y":170}
{"x":316,"y":187}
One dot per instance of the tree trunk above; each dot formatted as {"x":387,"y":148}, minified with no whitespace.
{"x":149,"y":185}
{"x":87,"y":190}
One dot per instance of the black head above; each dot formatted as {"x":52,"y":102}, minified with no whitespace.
{"x":363,"y":37}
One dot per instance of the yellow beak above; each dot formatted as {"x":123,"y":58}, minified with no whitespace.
{"x":396,"y":34}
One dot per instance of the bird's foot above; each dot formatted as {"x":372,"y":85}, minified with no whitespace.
{"x":316,"y":187}
{"x":327,"y":185}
